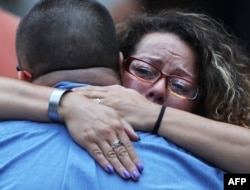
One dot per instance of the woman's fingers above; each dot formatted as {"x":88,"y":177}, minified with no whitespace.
{"x":120,"y":153}
{"x":125,"y":151}
{"x":116,"y":155}
{"x":119,"y":159}
{"x":130,"y":131}
{"x":98,"y":155}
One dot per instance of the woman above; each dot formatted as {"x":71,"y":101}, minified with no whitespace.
{"x":187,"y":62}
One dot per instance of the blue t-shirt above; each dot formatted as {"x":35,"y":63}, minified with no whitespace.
{"x":44,"y":156}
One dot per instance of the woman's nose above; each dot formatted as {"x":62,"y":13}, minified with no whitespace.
{"x":158,"y":92}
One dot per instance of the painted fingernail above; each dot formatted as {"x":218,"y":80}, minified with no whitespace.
{"x":139,"y":138}
{"x":139,"y":166}
{"x":136,"y":175}
{"x":110,"y":168}
{"x":126,"y":174}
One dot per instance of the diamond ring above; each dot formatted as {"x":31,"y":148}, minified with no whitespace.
{"x":97,"y":100}
{"x":117,"y":144}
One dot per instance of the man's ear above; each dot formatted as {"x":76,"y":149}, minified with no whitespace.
{"x":24,"y":75}
{"x":121,"y":59}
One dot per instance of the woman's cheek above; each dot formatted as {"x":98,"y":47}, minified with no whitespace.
{"x":130,"y":82}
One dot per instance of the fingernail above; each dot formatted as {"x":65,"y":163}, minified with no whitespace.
{"x":136,"y":175}
{"x":138,"y":137}
{"x":139,"y":166}
{"x":110,"y":168}
{"x":126,"y":174}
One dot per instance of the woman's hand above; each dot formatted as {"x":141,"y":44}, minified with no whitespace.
{"x":97,"y":128}
{"x":131,"y":105}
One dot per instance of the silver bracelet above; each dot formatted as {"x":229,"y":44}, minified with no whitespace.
{"x":54,"y":102}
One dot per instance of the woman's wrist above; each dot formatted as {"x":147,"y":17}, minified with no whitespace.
{"x":159,"y":119}
{"x":54,"y":102}
{"x":66,"y":106}
{"x":71,"y":104}
{"x":149,"y":115}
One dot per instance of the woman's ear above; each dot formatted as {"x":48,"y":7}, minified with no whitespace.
{"x":24,"y":75}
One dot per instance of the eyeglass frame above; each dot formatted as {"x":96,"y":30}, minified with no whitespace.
{"x":128,"y":61}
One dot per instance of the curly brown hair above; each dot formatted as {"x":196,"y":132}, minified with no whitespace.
{"x":223,"y":64}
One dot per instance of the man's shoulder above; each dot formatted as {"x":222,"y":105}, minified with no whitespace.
{"x":69,"y":85}
{"x":164,"y":158}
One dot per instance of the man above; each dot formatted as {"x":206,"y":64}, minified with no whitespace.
{"x":43,"y":155}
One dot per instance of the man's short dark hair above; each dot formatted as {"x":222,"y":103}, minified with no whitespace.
{"x":64,"y":35}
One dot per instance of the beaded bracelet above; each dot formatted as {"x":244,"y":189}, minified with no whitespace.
{"x":158,"y":122}
{"x":54,"y":102}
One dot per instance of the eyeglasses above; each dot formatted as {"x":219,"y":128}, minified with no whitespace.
{"x":146,"y":72}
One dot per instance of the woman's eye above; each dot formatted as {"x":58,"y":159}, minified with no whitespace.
{"x":144,"y":72}
{"x":179,"y":87}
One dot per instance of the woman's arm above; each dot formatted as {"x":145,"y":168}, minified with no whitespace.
{"x":23,"y":100}
{"x":87,"y":126}
{"x":224,"y":145}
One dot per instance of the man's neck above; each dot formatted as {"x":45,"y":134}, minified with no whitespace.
{"x":94,"y":76}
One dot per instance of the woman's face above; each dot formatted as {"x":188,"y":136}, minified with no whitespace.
{"x":173,"y":57}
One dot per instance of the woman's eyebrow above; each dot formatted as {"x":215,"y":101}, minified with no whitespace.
{"x":153,"y":60}
{"x":178,"y":70}
{"x":183,"y":72}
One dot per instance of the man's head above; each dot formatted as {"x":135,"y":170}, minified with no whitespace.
{"x":65,"y":35}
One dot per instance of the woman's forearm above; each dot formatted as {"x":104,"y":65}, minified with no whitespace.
{"x":23,"y":100}
{"x":224,"y":145}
